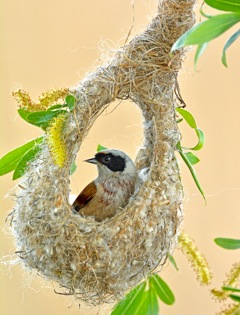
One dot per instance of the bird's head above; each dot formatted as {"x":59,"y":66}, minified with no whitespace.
{"x":113,"y":163}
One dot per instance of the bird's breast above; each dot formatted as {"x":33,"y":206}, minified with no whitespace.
{"x":110,"y":196}
{"x":117,"y":192}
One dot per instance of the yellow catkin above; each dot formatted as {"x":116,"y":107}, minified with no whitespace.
{"x":234,"y":276}
{"x":56,"y":141}
{"x":219,"y":294}
{"x":52,"y":96}
{"x":46,"y":100}
{"x":23,"y":99}
{"x":232,"y":309}
{"x":197,"y":260}
{"x":233,"y":279}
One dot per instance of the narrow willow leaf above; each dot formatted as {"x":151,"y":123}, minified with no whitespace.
{"x":57,"y":106}
{"x":227,"y":243}
{"x":192,"y":158}
{"x":207,"y":30}
{"x":161,"y":289}
{"x":101,"y":148}
{"x":201,"y":140}
{"x":187,"y":116}
{"x":225,"y":5}
{"x":179,"y":120}
{"x":149,"y":305}
{"x":228,"y":44}
{"x":199,"y":52}
{"x":235,"y":298}
{"x":192,"y":171}
{"x":192,"y":123}
{"x":231,"y":289}
{"x":73,"y":168}
{"x":207,"y":16}
{"x":41,"y":118}
{"x":132,"y":303}
{"x":70,"y":100}
{"x":173,"y":262}
{"x":23,"y":163}
{"x":9,"y":161}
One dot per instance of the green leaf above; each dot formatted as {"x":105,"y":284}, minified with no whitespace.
{"x":206,"y":15}
{"x":192,"y":158}
{"x":235,"y":298}
{"x":187,"y":116}
{"x":149,"y":304}
{"x":207,"y":30}
{"x":192,"y":123}
{"x":173,"y":262}
{"x":231,"y":289}
{"x":57,"y":106}
{"x":227,"y":243}
{"x":161,"y":289}
{"x":9,"y":161}
{"x":229,"y":43}
{"x":101,"y":148}
{"x":26,"y":158}
{"x":189,"y":158}
{"x":199,"y":52}
{"x":73,"y":168}
{"x":191,"y":169}
{"x":225,"y":5}
{"x":133,"y":302}
{"x":201,"y":140}
{"x":70,"y":100}
{"x":142,"y":301}
{"x":41,"y":118}
{"x":179,"y":120}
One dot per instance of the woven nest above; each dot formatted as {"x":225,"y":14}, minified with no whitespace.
{"x":98,"y":261}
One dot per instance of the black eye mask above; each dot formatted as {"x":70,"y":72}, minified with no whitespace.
{"x":114,"y":163}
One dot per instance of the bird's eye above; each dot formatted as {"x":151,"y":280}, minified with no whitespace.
{"x":107,"y":159}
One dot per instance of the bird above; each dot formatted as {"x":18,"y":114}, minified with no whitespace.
{"x":111,"y":190}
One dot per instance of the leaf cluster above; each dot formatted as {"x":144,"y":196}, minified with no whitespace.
{"x":230,"y":244}
{"x":204,"y":32}
{"x":144,"y":298}
{"x":18,"y":159}
{"x":188,"y":157}
{"x":234,"y":297}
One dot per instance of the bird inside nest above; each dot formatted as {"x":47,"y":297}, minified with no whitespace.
{"x":111,"y":190}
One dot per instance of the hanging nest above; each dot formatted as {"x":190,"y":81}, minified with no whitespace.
{"x":98,"y":262}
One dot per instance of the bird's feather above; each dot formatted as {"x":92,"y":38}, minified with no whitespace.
{"x":85,"y":196}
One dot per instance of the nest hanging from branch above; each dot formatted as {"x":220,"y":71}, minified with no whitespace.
{"x":97,"y":261}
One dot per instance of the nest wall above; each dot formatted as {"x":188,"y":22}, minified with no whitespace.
{"x":100,"y":261}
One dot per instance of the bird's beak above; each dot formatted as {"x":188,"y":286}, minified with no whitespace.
{"x":93,"y":161}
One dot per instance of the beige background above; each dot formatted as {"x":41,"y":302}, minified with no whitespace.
{"x":47,"y":44}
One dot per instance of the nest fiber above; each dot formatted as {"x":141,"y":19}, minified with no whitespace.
{"x":100,"y":261}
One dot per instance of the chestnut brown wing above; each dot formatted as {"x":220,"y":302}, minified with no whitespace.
{"x":85,"y":196}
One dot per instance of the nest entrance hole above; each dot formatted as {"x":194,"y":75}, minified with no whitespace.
{"x":118,"y":127}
